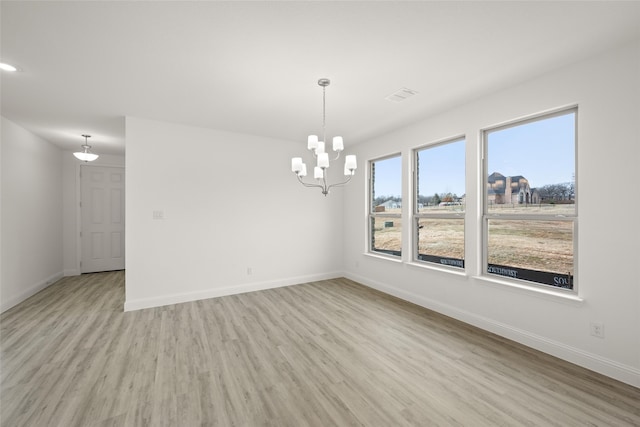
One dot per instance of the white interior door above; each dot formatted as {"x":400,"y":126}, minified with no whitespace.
{"x":102,"y":209}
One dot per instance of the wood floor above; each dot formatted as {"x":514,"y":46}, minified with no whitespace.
{"x":330,"y":353}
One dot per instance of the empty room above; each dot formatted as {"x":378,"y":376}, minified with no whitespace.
{"x":319,"y":213}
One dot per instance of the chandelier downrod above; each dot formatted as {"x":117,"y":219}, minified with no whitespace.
{"x":324,"y":83}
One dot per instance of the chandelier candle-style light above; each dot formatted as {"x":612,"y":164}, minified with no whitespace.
{"x":322,"y":157}
{"x":85,"y":155}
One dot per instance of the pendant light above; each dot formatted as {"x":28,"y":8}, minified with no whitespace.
{"x":85,"y":155}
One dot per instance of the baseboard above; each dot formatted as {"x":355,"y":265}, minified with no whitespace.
{"x":32,"y":290}
{"x":71,"y":272}
{"x":141,"y":303}
{"x":604,"y":366}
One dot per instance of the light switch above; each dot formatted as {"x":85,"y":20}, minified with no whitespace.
{"x":158,"y":214}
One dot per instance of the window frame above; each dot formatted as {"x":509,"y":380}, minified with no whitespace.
{"x":488,"y":216}
{"x":372,"y":215}
{"x":417,"y":215}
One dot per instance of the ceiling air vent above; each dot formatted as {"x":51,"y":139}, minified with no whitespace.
{"x":401,"y":95}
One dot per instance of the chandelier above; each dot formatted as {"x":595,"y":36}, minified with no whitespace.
{"x":85,"y":155}
{"x":322,"y":157}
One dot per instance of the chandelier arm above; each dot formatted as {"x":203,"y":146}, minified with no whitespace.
{"x":337,"y":156}
{"x":306,"y":184}
{"x":340,"y":183}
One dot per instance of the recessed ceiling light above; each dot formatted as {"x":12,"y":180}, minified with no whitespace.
{"x":7,"y":67}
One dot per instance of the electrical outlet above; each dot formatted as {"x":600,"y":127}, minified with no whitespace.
{"x":249,"y":271}
{"x":597,"y":329}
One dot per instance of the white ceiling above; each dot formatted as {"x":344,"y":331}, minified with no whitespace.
{"x":252,"y":67}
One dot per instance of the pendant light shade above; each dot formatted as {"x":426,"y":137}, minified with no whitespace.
{"x":85,"y":155}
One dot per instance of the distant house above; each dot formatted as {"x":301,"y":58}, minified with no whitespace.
{"x":390,"y":204}
{"x":510,"y":190}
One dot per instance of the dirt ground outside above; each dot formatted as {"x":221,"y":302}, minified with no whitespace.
{"x":388,"y":232}
{"x":534,"y":245}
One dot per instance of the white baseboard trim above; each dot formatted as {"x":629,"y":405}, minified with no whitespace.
{"x":602,"y":365}
{"x":32,"y":290}
{"x":141,"y":303}
{"x":71,"y":272}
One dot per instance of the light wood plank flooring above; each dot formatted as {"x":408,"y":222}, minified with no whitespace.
{"x":330,"y":353}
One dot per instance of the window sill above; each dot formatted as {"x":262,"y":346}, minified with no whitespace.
{"x":384,"y":257}
{"x":436,"y":267}
{"x":548,"y":294}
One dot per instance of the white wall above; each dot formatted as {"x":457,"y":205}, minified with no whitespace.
{"x":607,"y":90}
{"x":71,"y":205}
{"x":31,"y":214}
{"x":230,"y":203}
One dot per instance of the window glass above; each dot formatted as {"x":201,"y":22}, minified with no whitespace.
{"x":441,"y":241}
{"x":530,"y":200}
{"x":386,"y":235}
{"x":385,"y":214}
{"x":439,"y":196}
{"x":539,"y":251}
{"x":386,"y":177}
{"x":532,"y":167}
{"x":440,"y":178}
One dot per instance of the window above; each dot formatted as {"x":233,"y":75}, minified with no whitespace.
{"x":439,"y":201}
{"x":529,"y":200}
{"x":385,"y":201}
